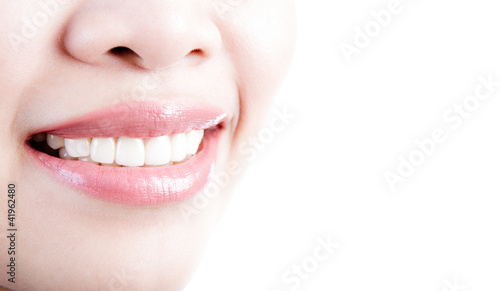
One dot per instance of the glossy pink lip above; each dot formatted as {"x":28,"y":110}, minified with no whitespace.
{"x":139,"y":119}
{"x":143,"y":185}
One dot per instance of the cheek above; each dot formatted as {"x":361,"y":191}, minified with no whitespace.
{"x":260,"y":40}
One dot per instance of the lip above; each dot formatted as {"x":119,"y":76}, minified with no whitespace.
{"x":137,"y":185}
{"x":139,"y":119}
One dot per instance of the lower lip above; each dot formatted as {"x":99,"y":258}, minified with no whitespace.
{"x":136,"y":186}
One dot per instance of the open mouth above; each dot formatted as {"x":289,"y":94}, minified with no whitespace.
{"x":134,"y":153}
{"x":122,"y":151}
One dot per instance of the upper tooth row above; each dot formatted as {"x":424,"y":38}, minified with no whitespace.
{"x":128,"y":151}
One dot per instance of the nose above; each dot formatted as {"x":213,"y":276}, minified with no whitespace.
{"x":149,"y":34}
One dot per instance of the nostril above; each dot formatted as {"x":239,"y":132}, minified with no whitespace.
{"x":124,"y":53}
{"x":121,"y":50}
{"x":197,"y":52}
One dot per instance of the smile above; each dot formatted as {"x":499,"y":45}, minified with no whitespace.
{"x":134,"y":153}
{"x":123,"y":151}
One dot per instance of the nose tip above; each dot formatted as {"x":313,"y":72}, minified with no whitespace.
{"x":135,"y":34}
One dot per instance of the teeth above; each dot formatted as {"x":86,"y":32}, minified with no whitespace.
{"x":63,"y":154}
{"x":77,"y":148}
{"x":130,"y":152}
{"x":179,"y":147}
{"x":55,"y":142}
{"x":194,"y":138}
{"x":158,"y":151}
{"x":88,"y":160}
{"x":127,"y":151}
{"x":102,"y":150}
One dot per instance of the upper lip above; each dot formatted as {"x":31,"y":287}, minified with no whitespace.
{"x":139,"y":119}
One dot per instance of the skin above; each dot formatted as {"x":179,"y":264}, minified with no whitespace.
{"x":231,"y":55}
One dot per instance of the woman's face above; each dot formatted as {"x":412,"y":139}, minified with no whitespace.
{"x":103,"y":104}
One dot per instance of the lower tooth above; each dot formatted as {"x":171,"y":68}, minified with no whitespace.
{"x":88,"y":160}
{"x":63,"y":154}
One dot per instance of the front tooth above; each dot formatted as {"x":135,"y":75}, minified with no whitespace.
{"x":102,"y":150}
{"x":157,"y":151}
{"x":130,"y":152}
{"x":194,"y":138}
{"x":77,"y":147}
{"x":88,"y":160}
{"x":179,"y":147}
{"x":63,"y":154}
{"x":55,"y":142}
{"x":201,"y":133}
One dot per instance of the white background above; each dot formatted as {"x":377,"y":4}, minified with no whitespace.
{"x":324,"y":175}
